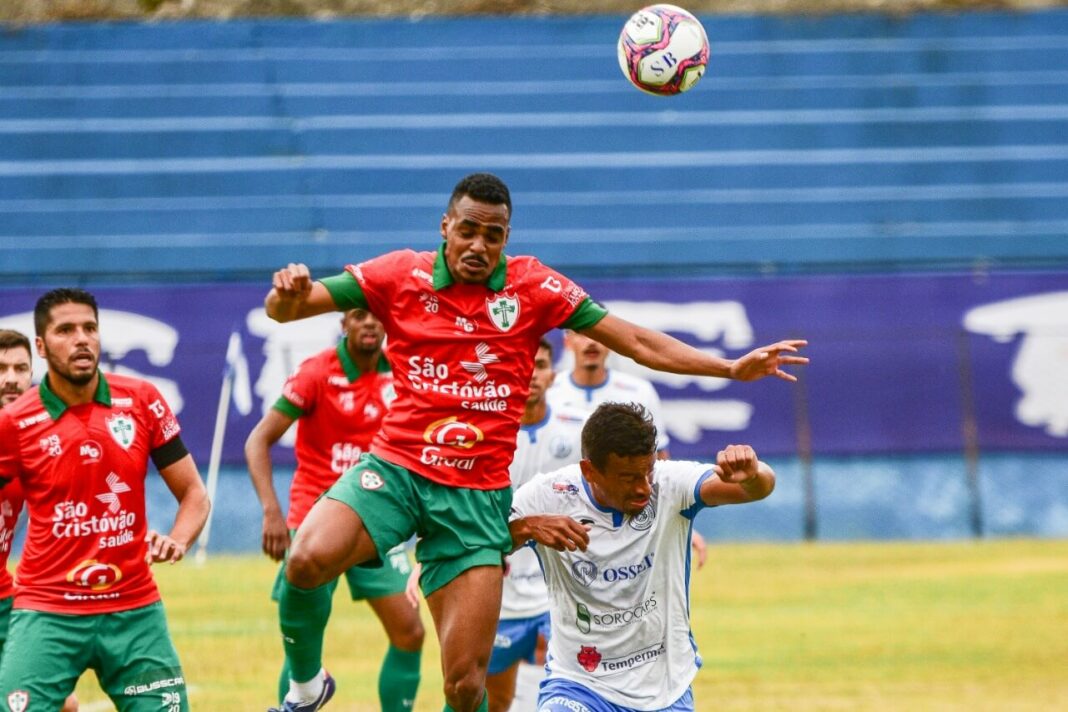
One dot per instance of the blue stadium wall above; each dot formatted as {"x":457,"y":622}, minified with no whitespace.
{"x":892,"y":189}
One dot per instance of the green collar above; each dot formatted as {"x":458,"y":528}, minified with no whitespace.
{"x":443,"y":277}
{"x":352,"y":371}
{"x":55,"y":405}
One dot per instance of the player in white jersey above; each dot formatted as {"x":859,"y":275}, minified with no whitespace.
{"x":591,"y":383}
{"x":612,"y":533}
{"x":548,"y":439}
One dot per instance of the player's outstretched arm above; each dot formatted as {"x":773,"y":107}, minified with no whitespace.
{"x":740,"y":477}
{"x":555,"y":531}
{"x":662,"y":352}
{"x":268,"y":431}
{"x":295,"y":296}
{"x":183,"y":480}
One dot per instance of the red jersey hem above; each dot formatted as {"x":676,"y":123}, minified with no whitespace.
{"x":398,"y":457}
{"x":29,"y":602}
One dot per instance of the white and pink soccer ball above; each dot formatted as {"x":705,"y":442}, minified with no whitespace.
{"x":663,"y":50}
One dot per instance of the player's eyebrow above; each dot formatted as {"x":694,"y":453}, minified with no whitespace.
{"x":491,"y":227}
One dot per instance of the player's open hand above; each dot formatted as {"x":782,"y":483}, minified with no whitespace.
{"x":161,"y":547}
{"x":558,"y":532}
{"x":275,"y":536}
{"x":737,"y":464}
{"x":293,"y":282}
{"x":411,"y":587}
{"x":768,"y":361}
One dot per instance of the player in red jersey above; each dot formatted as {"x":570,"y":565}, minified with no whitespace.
{"x":463,"y":325}
{"x":79,"y":444}
{"x":15,"y":377}
{"x":338,"y":398}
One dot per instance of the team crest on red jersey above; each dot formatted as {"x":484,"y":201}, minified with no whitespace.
{"x":122,"y":429}
{"x":503,"y":310}
{"x":588,"y":657}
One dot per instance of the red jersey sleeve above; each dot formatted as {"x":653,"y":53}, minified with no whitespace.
{"x":301,"y":389}
{"x":559,"y":295}
{"x":162,"y":423}
{"x":380,"y":276}
{"x":9,"y":449}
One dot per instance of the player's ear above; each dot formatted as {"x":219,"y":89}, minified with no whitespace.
{"x":444,"y":226}
{"x":588,"y":470}
{"x":40,"y":344}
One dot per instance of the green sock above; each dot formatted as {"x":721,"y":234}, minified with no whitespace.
{"x":482,"y":707}
{"x":302,"y":614}
{"x":399,"y":679}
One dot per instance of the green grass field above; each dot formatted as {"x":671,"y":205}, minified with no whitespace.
{"x":900,"y":626}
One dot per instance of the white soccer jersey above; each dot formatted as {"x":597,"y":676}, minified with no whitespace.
{"x":619,"y":387}
{"x":542,"y":447}
{"x":620,"y":610}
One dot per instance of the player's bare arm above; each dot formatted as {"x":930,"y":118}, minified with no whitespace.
{"x":258,"y":445}
{"x":295,"y":296}
{"x":740,"y":477}
{"x":555,"y":531}
{"x":183,"y":480}
{"x":662,"y":352}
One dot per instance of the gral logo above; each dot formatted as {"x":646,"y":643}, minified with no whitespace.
{"x":452,"y":431}
{"x":94,"y":575}
{"x":584,"y":571}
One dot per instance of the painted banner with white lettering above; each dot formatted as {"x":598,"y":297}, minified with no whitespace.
{"x":900,"y":363}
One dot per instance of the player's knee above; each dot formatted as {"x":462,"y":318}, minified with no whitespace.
{"x":464,"y":688}
{"x":408,"y":636}
{"x":303,"y":570}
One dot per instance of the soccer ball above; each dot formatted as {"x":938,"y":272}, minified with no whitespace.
{"x":663,"y":50}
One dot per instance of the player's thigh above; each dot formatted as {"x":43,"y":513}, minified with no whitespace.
{"x":465,"y":614}
{"x":365,"y":514}
{"x":137,"y":664}
{"x":43,"y":657}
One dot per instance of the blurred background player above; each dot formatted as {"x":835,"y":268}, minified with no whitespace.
{"x":616,"y":562}
{"x":548,"y":439}
{"x":15,"y":378}
{"x":338,"y":398}
{"x":591,"y":382}
{"x":80,"y":444}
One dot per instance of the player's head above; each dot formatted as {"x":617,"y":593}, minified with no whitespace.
{"x":542,"y":376}
{"x":68,"y":335}
{"x":363,"y":330}
{"x":14,"y":365}
{"x":618,"y":453}
{"x":589,"y":355}
{"x":475,"y":227}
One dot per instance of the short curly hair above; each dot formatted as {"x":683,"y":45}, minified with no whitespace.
{"x":483,"y":187}
{"x":621,"y":429}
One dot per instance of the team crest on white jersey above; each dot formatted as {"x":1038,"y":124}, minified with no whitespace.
{"x":18,"y":701}
{"x":122,"y":428}
{"x":503,"y":311}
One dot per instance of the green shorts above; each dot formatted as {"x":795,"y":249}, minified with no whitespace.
{"x":366,"y":583}
{"x":5,"y":618}
{"x":458,"y":528}
{"x":130,"y":651}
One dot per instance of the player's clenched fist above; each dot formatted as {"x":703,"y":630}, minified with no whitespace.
{"x":293,"y":281}
{"x":737,"y":463}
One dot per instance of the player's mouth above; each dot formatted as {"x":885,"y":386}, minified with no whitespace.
{"x":475,"y":264}
{"x":9,"y":395}
{"x":83,"y":360}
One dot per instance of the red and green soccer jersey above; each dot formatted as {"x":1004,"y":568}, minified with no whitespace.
{"x":339,"y":410}
{"x":462,"y":355}
{"x":10,"y":506}
{"x":82,"y":470}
